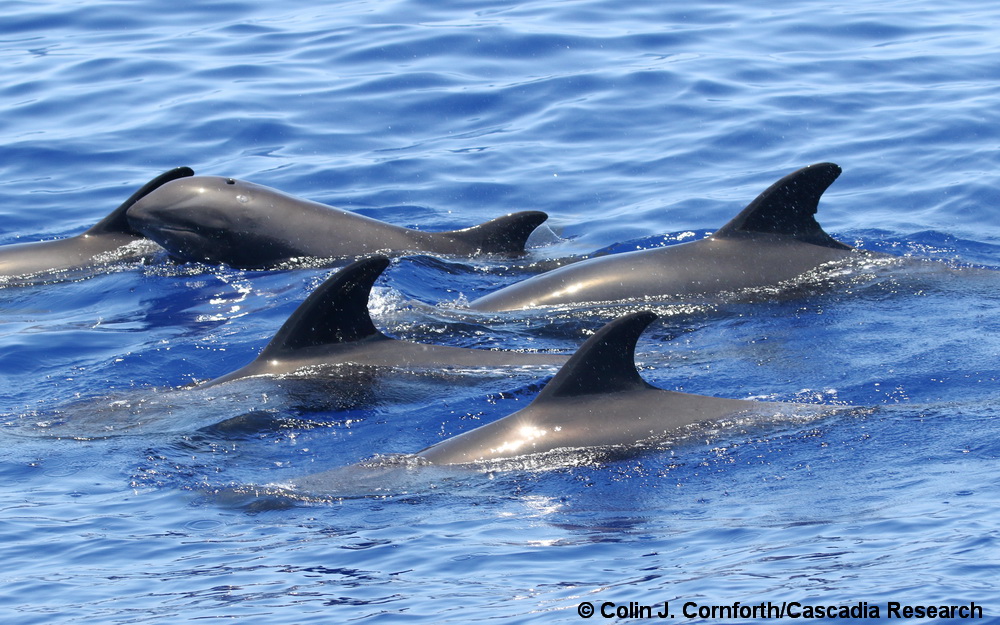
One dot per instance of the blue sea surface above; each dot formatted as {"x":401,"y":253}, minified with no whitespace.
{"x":126,"y":497}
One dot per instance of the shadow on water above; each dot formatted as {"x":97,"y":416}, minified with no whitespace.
{"x":312,"y":395}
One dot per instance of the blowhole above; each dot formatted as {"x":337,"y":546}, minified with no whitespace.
{"x":230,"y":181}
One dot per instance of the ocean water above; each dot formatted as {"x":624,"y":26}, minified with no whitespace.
{"x":127,"y":498}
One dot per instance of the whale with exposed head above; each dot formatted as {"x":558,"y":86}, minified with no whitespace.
{"x":334,"y":327}
{"x":45,"y":260}
{"x":244,"y":225}
{"x":774,"y":239}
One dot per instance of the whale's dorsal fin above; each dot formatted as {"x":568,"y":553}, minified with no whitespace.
{"x":503,"y":235}
{"x":605,"y":363}
{"x":336,"y":312}
{"x":788,"y":206}
{"x":116,"y":221}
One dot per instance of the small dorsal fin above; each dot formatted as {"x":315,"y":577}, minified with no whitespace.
{"x":116,"y":221}
{"x":503,"y":235}
{"x":605,"y":363}
{"x":336,"y":312}
{"x":788,"y":206}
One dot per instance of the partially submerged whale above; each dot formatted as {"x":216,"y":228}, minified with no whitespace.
{"x":219,"y":220}
{"x":333,"y":326}
{"x":45,"y":259}
{"x":774,"y":239}
{"x":598,"y":399}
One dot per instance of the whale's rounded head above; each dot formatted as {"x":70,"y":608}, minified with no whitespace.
{"x":210,"y":218}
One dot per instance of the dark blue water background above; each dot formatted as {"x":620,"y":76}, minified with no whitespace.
{"x":633,"y":125}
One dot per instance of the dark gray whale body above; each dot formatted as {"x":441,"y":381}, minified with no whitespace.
{"x":219,"y":220}
{"x":46,"y":259}
{"x":774,"y":239}
{"x":333,"y":326}
{"x":596,"y":400}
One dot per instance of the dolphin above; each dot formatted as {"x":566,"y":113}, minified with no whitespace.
{"x":219,"y":220}
{"x":333,"y":326}
{"x":774,"y":239}
{"x":597,"y":400}
{"x":49,"y":258}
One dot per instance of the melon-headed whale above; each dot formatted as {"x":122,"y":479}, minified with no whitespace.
{"x":45,"y":259}
{"x":244,"y":225}
{"x":333,"y":326}
{"x":774,"y":239}
{"x":597,"y":400}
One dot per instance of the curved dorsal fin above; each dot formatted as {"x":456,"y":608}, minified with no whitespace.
{"x":605,"y":363}
{"x":788,"y":206}
{"x":336,"y":312}
{"x":116,"y":221}
{"x":503,"y":235}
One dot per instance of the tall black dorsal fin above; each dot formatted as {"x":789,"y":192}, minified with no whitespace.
{"x":788,"y":206}
{"x":605,"y":363}
{"x":116,"y":221}
{"x":336,"y":312}
{"x":503,"y":235}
